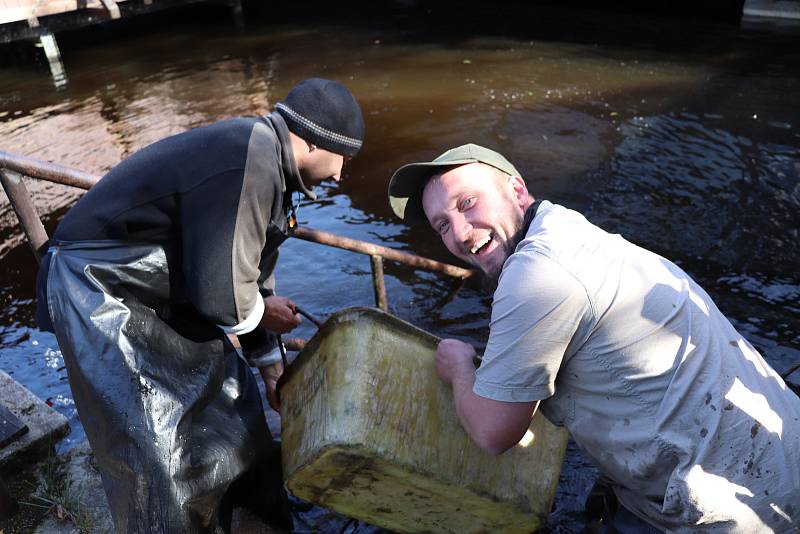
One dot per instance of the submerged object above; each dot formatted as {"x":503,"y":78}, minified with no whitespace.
{"x":370,"y":431}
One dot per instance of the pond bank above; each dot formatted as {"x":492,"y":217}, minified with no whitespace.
{"x":64,"y":495}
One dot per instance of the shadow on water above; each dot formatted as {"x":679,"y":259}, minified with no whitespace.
{"x":682,"y":135}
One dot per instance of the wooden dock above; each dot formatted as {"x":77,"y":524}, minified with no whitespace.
{"x":32,"y":10}
{"x":29,"y":19}
{"x":40,"y":20}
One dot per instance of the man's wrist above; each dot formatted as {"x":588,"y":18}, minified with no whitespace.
{"x":464,"y":375}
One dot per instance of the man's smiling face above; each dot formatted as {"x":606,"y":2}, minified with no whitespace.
{"x":478,"y":211}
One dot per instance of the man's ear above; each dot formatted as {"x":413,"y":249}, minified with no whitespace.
{"x":520,"y":189}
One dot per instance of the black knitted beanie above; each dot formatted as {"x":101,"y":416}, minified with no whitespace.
{"x":325,"y":113}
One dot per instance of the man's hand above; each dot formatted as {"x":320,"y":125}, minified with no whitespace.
{"x":495,"y":426}
{"x":280,"y":315}
{"x":270,"y":375}
{"x":454,"y":361}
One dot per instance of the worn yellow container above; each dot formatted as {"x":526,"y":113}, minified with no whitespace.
{"x":368,"y":430}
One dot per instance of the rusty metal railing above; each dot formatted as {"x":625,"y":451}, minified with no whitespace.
{"x":13,"y":167}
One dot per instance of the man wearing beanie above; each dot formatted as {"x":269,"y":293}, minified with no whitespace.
{"x":145,"y":279}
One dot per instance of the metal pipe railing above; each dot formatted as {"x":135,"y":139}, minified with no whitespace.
{"x":44,"y":170}
{"x":29,"y":219}
{"x":13,"y":167}
{"x":371,"y":249}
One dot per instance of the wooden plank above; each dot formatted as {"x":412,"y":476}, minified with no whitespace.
{"x":10,"y":426}
{"x":45,"y":425}
{"x":10,"y":4}
{"x":21,"y":10}
{"x":55,"y":7}
{"x":15,"y":14}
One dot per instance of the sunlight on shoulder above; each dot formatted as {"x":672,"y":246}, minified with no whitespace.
{"x":756,"y":406}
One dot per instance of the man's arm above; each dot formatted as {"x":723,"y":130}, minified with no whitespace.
{"x":280,"y":316}
{"x":495,"y":426}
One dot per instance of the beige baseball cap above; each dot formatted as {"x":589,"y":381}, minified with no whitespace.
{"x":408,"y":182}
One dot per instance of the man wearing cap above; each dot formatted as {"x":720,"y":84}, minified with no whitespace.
{"x":145,"y":278}
{"x":690,"y":424}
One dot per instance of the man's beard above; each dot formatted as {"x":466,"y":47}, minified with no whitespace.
{"x":489,"y":281}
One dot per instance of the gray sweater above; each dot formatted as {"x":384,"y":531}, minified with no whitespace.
{"x":216,"y":198}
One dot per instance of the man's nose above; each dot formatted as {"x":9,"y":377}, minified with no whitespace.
{"x":338,"y":175}
{"x":461,"y":229}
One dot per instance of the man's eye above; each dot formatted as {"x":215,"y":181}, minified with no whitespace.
{"x":467,"y":203}
{"x":442,"y":227}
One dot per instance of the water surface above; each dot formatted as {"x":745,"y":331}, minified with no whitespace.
{"x":681,"y":136}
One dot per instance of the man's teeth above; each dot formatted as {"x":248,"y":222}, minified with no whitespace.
{"x":480,"y":244}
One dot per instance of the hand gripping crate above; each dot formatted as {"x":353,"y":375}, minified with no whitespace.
{"x":369,"y":431}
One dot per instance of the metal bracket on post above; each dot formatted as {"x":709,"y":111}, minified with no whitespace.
{"x":20,"y":200}
{"x":378,"y":282}
{"x":48,"y":42}
{"x":112,"y":8}
{"x":238,"y":14}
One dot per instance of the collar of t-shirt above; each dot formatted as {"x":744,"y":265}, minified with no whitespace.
{"x":530,"y":213}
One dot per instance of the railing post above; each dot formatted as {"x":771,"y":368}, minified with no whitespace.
{"x":20,"y":200}
{"x":378,"y":282}
{"x":238,"y":14}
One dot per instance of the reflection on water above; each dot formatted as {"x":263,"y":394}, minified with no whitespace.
{"x":689,"y":150}
{"x":713,"y":192}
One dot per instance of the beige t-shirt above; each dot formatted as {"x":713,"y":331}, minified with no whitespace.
{"x":652,"y":381}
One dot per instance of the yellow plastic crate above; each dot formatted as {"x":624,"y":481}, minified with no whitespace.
{"x":369,"y":431}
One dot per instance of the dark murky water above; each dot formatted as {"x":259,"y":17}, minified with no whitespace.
{"x":681,"y":136}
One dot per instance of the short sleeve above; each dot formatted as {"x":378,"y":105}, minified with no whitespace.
{"x":541,"y":315}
